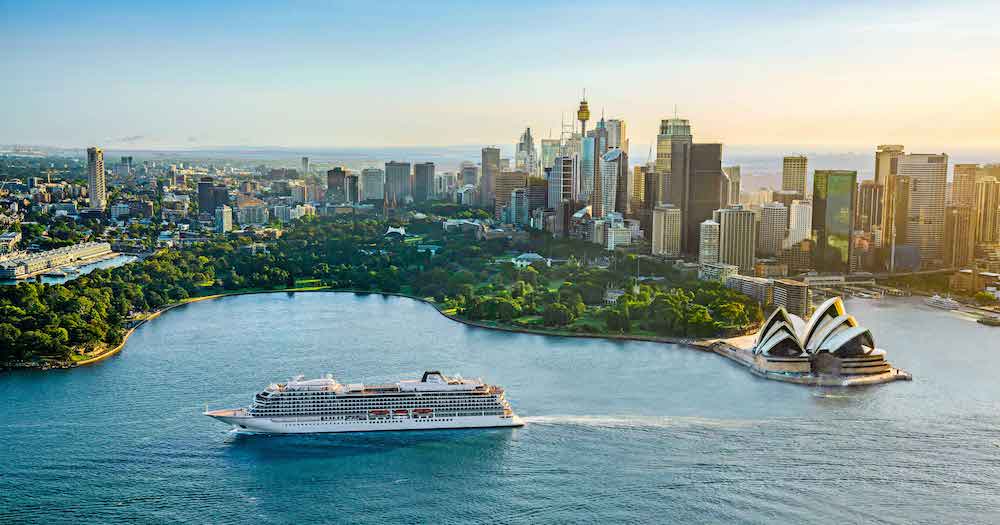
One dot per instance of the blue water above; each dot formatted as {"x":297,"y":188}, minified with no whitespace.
{"x":617,"y":432}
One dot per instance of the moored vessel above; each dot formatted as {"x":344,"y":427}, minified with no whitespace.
{"x":946,"y":303}
{"x":435,"y":401}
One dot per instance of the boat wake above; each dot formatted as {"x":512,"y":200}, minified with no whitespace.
{"x":640,"y":422}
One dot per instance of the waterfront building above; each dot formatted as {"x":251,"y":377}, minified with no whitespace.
{"x":423,"y":181}
{"x":373,"y":184}
{"x":525,"y":155}
{"x":737,"y":237}
{"x":832,"y":217}
{"x":869,"y":208}
{"x":794,"y":296}
{"x":22,"y":266}
{"x":223,"y":219}
{"x":959,"y":236}
{"x":928,"y":174}
{"x":97,"y":189}
{"x":793,"y":174}
{"x":717,"y":271}
{"x":398,"y":182}
{"x":708,"y":242}
{"x":672,"y":131}
{"x":666,"y":233}
{"x":733,"y":172}
{"x":757,"y":288}
{"x":773,"y":228}
{"x":490,"y":171}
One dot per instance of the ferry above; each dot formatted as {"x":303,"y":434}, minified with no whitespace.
{"x":71,"y":270}
{"x":989,"y":320}
{"x":435,"y":401}
{"x":946,"y":303}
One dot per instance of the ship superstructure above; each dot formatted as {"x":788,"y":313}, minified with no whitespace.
{"x":325,"y":405}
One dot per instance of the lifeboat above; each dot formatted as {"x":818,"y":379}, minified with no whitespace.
{"x":400,"y":412}
{"x":379,"y":412}
{"x":422,"y":410}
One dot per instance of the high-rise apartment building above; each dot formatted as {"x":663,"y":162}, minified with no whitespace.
{"x":773,"y":228}
{"x":639,"y":186}
{"x":733,"y":172}
{"x":794,"y":296}
{"x":372,"y":184}
{"x":353,"y":186}
{"x":708,"y":242}
{"x":617,"y":134}
{"x":423,"y":181}
{"x":97,"y":189}
{"x":793,"y":174}
{"x":986,"y":211}
{"x":737,"y":237}
{"x":666,"y":233}
{"x":928,"y":176}
{"x":305,"y":166}
{"x":398,"y":185}
{"x":223,"y":219}
{"x":832,"y":219}
{"x":963,"y":186}
{"x":490,"y":171}
{"x":672,"y":131}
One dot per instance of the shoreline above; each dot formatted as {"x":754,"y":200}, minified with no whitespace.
{"x":713,"y":345}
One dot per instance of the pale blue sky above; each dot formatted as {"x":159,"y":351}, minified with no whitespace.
{"x":333,"y":74}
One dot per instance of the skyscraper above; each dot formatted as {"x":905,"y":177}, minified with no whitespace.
{"x":506,"y":183}
{"x":928,"y":176}
{"x":561,"y":180}
{"x":469,"y":174}
{"x":697,"y":186}
{"x":97,"y":189}
{"x":886,"y":158}
{"x":305,"y":166}
{"x":423,"y":181}
{"x":525,"y":155}
{"x":733,"y":172}
{"x":550,"y":150}
{"x":372,"y":184}
{"x":614,"y":177}
{"x":666,"y":234}
{"x":987,"y":211}
{"x":583,"y":115}
{"x":639,"y":187}
{"x":869,"y":209}
{"x":353,"y":187}
{"x":617,"y":134}
{"x":594,"y":146}
{"x":793,"y":174}
{"x":963,"y":186}
{"x":672,"y":131}
{"x":708,"y":245}
{"x":959,"y":236}
{"x":223,"y":219}
{"x":490,"y":171}
{"x":773,"y":228}
{"x":737,"y":237}
{"x":832,"y":217}
{"x":398,"y":186}
{"x":799,"y":222}
{"x":336,"y":188}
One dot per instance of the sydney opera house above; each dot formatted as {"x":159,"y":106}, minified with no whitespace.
{"x":832,"y":348}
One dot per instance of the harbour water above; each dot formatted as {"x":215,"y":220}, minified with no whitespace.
{"x":617,"y":431}
{"x":112,"y":262}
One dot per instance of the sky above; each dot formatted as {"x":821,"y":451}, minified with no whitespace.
{"x":780,"y":74}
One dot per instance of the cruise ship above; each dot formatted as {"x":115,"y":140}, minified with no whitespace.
{"x":946,"y":303}
{"x":323,"y":405}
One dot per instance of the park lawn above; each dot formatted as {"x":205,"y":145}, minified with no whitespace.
{"x":306,"y":282}
{"x":535,"y":321}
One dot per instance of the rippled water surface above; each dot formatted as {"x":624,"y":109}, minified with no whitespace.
{"x":617,"y":432}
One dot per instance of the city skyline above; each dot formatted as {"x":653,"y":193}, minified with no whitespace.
{"x":297,"y":83}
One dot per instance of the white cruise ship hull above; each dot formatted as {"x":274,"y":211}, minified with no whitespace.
{"x":315,"y":424}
